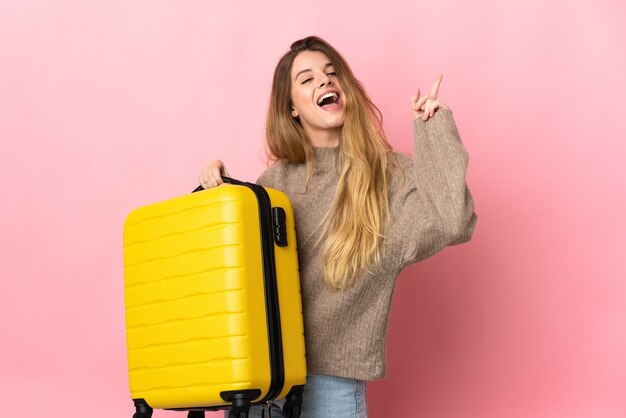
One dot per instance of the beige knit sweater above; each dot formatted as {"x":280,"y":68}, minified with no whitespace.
{"x":431,"y":207}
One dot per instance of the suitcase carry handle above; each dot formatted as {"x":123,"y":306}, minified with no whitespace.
{"x":228,"y":180}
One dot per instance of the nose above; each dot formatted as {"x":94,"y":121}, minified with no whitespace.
{"x":325,"y":81}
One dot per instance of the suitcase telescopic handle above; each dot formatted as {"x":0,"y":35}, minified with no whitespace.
{"x":228,"y":180}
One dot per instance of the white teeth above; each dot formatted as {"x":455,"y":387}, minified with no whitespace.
{"x":327,"y":95}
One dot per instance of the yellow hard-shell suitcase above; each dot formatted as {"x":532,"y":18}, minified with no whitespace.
{"x":213,"y":304}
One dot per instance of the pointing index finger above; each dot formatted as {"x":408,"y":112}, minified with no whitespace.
{"x":435,"y":89}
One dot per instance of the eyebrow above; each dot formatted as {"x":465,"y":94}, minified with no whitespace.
{"x":330,"y":64}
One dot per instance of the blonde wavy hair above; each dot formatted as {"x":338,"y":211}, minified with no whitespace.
{"x":354,"y":227}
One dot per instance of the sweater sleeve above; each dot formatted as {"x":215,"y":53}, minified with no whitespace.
{"x":438,"y":209}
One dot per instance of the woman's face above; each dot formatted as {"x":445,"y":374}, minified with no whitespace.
{"x":317,"y":98}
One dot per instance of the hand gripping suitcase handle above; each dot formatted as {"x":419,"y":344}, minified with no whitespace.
{"x":226,"y":180}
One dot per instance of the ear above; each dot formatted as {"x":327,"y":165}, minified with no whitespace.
{"x":294,"y":112}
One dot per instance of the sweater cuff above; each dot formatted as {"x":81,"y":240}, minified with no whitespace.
{"x":441,"y":118}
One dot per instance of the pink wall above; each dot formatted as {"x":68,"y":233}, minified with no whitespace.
{"x":108,"y":105}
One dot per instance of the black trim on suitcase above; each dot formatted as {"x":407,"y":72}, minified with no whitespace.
{"x":270,"y":231}
{"x":271,"y":293}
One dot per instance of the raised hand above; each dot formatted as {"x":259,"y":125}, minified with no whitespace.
{"x":424,"y":107}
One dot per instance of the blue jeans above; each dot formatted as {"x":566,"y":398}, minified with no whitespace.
{"x":324,"y":397}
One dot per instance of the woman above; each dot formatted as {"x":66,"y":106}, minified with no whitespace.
{"x":362,"y":212}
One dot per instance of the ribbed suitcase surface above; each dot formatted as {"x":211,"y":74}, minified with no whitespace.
{"x":196,"y":315}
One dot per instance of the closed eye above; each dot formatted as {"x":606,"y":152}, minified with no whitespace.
{"x":306,"y":80}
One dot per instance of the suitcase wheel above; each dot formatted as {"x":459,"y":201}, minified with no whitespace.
{"x":142,"y":409}
{"x":240,"y":401}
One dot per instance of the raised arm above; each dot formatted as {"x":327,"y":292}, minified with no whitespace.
{"x":440,"y":211}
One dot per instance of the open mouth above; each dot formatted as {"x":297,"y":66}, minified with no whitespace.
{"x":328,"y":99}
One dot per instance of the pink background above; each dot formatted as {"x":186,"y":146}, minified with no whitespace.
{"x":108,"y":105}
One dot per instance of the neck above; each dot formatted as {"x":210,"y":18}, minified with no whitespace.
{"x":325,"y":138}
